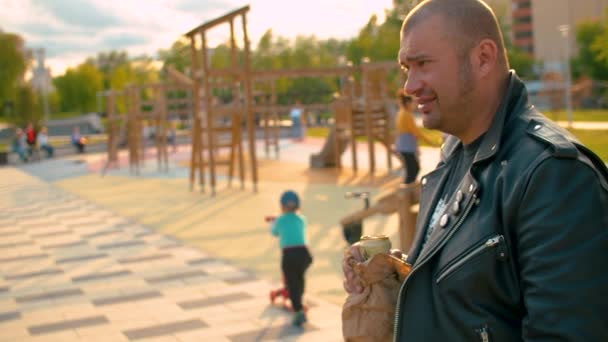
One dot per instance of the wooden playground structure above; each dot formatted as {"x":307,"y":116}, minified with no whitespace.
{"x":361,"y":108}
{"x":128,"y":127}
{"x":212,"y":120}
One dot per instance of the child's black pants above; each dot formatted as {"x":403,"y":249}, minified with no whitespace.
{"x":294,"y":263}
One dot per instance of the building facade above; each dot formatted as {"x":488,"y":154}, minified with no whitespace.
{"x":546,"y":28}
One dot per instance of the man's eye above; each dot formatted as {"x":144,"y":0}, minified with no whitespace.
{"x":422,"y":63}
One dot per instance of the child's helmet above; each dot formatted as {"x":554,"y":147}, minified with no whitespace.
{"x":290,"y":199}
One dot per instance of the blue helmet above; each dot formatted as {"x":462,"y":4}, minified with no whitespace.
{"x":290,"y":199}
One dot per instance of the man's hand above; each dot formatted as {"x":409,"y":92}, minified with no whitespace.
{"x":352,"y":283}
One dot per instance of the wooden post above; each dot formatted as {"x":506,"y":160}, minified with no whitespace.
{"x":248,"y":105}
{"x":407,"y":217}
{"x":276,"y":118}
{"x":197,"y":141}
{"x":112,"y":138}
{"x":366,"y":90}
{"x":209,"y":113}
{"x":352,"y":121}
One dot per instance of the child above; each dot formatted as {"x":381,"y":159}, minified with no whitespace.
{"x":290,"y":227}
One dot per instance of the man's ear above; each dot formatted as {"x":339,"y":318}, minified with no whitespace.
{"x":486,"y":56}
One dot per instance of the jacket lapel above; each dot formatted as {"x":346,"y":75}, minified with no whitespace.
{"x":432,"y":185}
{"x":515,"y":99}
{"x":457,"y":208}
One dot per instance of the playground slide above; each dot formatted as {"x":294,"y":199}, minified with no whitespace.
{"x":327,"y":158}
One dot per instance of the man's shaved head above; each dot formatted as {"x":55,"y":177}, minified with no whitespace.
{"x":467,"y":22}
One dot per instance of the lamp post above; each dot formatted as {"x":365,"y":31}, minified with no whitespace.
{"x":565,"y":30}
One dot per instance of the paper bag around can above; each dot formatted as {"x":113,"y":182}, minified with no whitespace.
{"x":370,"y":315}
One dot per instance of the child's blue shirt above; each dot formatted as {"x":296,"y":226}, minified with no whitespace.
{"x":291,"y":230}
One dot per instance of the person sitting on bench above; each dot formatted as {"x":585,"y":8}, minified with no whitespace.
{"x":43,"y":142}
{"x":78,"y":140}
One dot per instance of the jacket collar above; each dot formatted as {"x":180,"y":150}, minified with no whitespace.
{"x":514,"y":101}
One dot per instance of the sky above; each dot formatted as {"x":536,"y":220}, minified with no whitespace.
{"x":72,"y":30}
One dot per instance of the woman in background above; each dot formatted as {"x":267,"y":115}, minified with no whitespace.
{"x":408,"y":134}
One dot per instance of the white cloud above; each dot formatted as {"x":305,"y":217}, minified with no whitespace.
{"x":72,"y":30}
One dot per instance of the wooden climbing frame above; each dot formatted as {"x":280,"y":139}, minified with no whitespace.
{"x":207,"y":113}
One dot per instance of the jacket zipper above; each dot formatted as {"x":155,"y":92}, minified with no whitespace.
{"x":484,"y":336}
{"x":490,"y":243}
{"x":468,"y":208}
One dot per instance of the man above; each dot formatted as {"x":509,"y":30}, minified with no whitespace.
{"x":512,"y":233}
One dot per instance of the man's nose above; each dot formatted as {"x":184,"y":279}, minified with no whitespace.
{"x":412,"y":85}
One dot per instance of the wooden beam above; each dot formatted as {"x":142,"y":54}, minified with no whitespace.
{"x":217,"y":21}
{"x":265,"y":75}
{"x":179,"y":77}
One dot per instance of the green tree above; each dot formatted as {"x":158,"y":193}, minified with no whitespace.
{"x":26,"y":106}
{"x":178,"y":55}
{"x":13,"y":64}
{"x":600,"y":44}
{"x":107,"y":62}
{"x":590,"y":60}
{"x":78,"y":87}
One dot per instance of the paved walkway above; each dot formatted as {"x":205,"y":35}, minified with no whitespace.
{"x":125,"y":257}
{"x":72,"y":270}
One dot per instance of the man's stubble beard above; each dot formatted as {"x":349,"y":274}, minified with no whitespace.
{"x":462,"y":109}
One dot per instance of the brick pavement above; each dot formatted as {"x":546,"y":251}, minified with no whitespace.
{"x":72,"y":270}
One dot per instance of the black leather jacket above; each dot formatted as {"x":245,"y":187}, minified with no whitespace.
{"x":522,"y":247}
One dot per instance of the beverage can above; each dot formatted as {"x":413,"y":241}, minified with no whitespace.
{"x":374,"y":244}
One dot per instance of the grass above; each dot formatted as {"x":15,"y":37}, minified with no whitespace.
{"x":64,"y":115}
{"x":579,"y":115}
{"x":595,"y":140}
{"x":322,"y":132}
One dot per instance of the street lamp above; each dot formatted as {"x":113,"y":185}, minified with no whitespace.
{"x":565,"y":30}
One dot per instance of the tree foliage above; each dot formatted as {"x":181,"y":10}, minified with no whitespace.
{"x":178,"y":55}
{"x":77,"y":88}
{"x":13,"y":64}
{"x":107,"y":62}
{"x":590,"y":61}
{"x":27,"y":108}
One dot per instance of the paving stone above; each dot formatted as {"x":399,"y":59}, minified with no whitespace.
{"x":81,"y":258}
{"x":176,"y":276}
{"x":51,"y":234}
{"x":201,"y":261}
{"x":41,"y":273}
{"x":101,"y":276}
{"x":241,"y":278}
{"x":133,"y":297}
{"x":5,"y":233}
{"x":144,"y":258}
{"x":217,"y":300}
{"x":49,"y":295}
{"x":8,"y":316}
{"x":67,"y":325}
{"x":16,"y":244}
{"x":102,"y":233}
{"x":272,"y":333}
{"x":121,"y":244}
{"x":24,"y":257}
{"x":65,"y":245}
{"x":165,"y":329}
